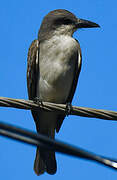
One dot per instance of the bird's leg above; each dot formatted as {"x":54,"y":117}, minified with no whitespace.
{"x":38,"y":101}
{"x":68,"y":108}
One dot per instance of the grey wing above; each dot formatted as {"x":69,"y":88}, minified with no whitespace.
{"x":73,"y":87}
{"x":76,"y":74}
{"x":32,"y":71}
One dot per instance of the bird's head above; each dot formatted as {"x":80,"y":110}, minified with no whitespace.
{"x":63,"y":22}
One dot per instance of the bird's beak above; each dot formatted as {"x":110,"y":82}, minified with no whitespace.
{"x":81,"y":23}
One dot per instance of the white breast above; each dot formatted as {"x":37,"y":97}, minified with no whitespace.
{"x":57,"y":60}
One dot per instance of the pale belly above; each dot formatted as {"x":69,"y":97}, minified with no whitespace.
{"x":56,"y":84}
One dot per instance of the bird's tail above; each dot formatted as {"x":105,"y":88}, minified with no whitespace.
{"x":39,"y":165}
{"x":45,"y":161}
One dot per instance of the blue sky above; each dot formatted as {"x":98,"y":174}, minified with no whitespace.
{"x":97,"y":87}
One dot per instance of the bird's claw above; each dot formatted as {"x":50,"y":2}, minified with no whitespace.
{"x":38,"y":101}
{"x":68,"y":109}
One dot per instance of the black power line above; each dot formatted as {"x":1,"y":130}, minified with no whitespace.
{"x":44,"y":142}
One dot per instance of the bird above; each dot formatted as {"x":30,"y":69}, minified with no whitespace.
{"x":53,"y":67}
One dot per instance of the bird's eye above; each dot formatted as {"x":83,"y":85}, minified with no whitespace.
{"x":63,"y":21}
{"x":67,"y":21}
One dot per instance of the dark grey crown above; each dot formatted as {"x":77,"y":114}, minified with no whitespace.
{"x":54,"y":19}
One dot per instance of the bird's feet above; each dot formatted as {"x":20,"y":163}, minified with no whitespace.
{"x":38,"y":101}
{"x":68,"y":109}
